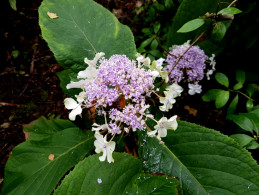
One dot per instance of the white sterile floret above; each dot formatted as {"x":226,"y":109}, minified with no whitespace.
{"x":90,"y":72}
{"x":194,"y":88}
{"x":141,"y":59}
{"x":97,"y":127}
{"x":156,"y":68}
{"x":210,"y":72}
{"x":78,"y":84}
{"x":167,"y":101}
{"x":102,"y":145}
{"x":71,"y":104}
{"x":212,"y":61}
{"x":93,"y":62}
{"x":175,"y":89}
{"x":162,"y":125}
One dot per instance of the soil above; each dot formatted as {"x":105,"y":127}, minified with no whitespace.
{"x":29,"y":87}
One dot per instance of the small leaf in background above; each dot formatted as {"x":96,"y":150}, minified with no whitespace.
{"x":253,"y":116}
{"x":154,"y":44}
{"x":156,"y":53}
{"x":146,"y":31}
{"x":240,"y":76}
{"x":251,"y":89}
{"x":156,"y":27}
{"x":169,"y":4}
{"x":146,"y":42}
{"x":233,"y":105}
{"x":52,"y":15}
{"x":13,"y":4}
{"x":51,"y":157}
{"x":242,"y":122}
{"x":191,"y":25}
{"x":211,"y":95}
{"x":230,"y":10}
{"x":219,"y":31}
{"x":15,"y":53}
{"x":249,"y":105}
{"x":222,"y":79}
{"x":252,"y":145}
{"x":238,"y":86}
{"x":222,"y":98}
{"x":242,"y":139}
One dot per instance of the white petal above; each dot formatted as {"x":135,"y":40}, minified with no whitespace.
{"x":152,"y":133}
{"x":162,"y":132}
{"x":70,"y":103}
{"x":94,"y":61}
{"x":75,"y":112}
{"x":103,"y":157}
{"x":90,"y":73}
{"x":79,"y":84}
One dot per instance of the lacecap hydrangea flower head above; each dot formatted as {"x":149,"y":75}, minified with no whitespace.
{"x":188,"y":63}
{"x":117,"y":88}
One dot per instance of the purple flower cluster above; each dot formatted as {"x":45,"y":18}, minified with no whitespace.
{"x":191,"y":66}
{"x":119,"y":77}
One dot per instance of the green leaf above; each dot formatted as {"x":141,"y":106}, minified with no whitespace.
{"x":252,"y":145}
{"x":205,"y":161}
{"x":156,"y":53}
{"x":169,"y":4}
{"x":233,"y":105}
{"x":211,"y":95}
{"x":219,"y":31}
{"x":15,"y":53}
{"x":191,"y":25}
{"x":82,"y":29}
{"x":156,"y":27}
{"x":222,"y":79}
{"x":32,"y":168}
{"x":251,"y":89}
{"x":13,"y":4}
{"x":238,"y":86}
{"x":222,"y":99}
{"x":242,"y":139}
{"x":242,"y":121}
{"x":146,"y":42}
{"x":154,"y":44}
{"x":188,"y":10}
{"x":230,"y":10}
{"x":249,"y":105}
{"x":240,"y":76}
{"x":253,"y":116}
{"x":121,"y":177}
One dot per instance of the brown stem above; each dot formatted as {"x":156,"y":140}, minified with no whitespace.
{"x":232,"y":3}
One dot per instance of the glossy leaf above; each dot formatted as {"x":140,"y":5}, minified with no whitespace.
{"x":13,"y":4}
{"x":82,"y":29}
{"x":205,"y":161}
{"x":233,"y":105}
{"x":188,"y":10}
{"x":154,"y":44}
{"x":230,"y":10}
{"x":249,"y":105}
{"x":222,"y":98}
{"x":219,"y":31}
{"x":251,"y":89}
{"x":252,"y":145}
{"x":222,"y":79}
{"x":121,"y":177}
{"x":242,"y":121}
{"x":242,"y":139}
{"x":240,"y":76}
{"x":191,"y":25}
{"x":211,"y":95}
{"x":238,"y":86}
{"x":37,"y":165}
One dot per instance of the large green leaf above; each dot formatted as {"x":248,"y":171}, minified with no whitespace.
{"x":121,"y":177}
{"x":205,"y":161}
{"x":37,"y":165}
{"x":82,"y":29}
{"x":189,"y":10}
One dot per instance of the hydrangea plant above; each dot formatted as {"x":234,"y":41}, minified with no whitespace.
{"x":122,"y":96}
